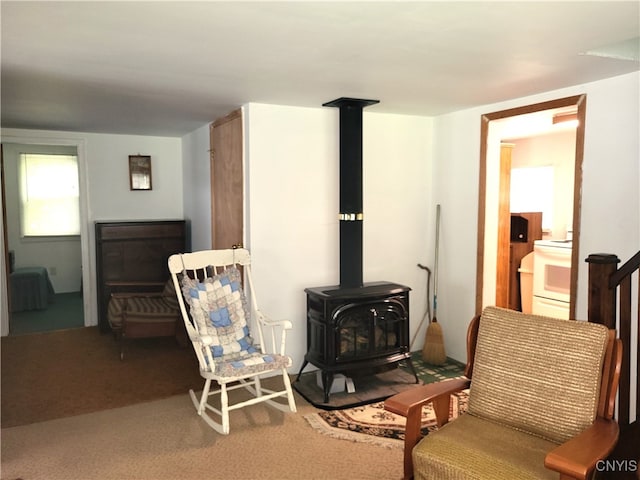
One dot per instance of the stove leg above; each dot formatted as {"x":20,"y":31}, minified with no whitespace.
{"x":413,"y":370}
{"x":327,"y":381}
{"x":304,"y":364}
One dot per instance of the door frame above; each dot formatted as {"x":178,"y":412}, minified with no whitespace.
{"x":88,"y":295}
{"x":580,"y":102}
{"x":227,"y":166}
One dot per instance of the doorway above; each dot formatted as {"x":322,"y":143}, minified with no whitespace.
{"x":493,"y":221}
{"x":59,"y":261}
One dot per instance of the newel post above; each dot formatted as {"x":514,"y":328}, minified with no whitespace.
{"x":602,"y":299}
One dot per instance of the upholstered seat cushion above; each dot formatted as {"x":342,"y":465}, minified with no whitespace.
{"x":169,"y":294}
{"x":471,"y":448}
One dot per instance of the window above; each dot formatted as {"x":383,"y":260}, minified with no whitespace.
{"x":49,"y":195}
{"x":532,"y":191}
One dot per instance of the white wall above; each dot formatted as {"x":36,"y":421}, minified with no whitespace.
{"x":610,"y":218}
{"x":196,"y":173}
{"x":108,"y":178}
{"x":292,"y":163}
{"x":105,"y":194}
{"x":292,"y":168}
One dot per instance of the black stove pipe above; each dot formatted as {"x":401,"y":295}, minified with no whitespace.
{"x":351,"y":217}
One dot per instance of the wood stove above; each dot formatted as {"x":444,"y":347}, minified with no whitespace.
{"x":361,"y":328}
{"x":355,"y":326}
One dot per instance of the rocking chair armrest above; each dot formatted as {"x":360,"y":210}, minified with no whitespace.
{"x":285,"y":324}
{"x":577,"y":457}
{"x":409,"y":404}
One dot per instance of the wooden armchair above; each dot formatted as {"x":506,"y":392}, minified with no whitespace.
{"x":541,"y":402}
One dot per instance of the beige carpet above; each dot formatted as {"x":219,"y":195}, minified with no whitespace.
{"x":373,"y":424}
{"x":165,"y":439}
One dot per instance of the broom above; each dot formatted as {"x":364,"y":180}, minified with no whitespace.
{"x":427,"y":312}
{"x":433,"y":351}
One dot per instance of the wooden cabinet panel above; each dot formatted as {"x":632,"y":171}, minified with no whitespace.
{"x":504,"y":207}
{"x":132,"y":256}
{"x":522,"y":239}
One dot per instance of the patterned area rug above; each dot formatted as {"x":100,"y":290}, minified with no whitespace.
{"x":373,"y":424}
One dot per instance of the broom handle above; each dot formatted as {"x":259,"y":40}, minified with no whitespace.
{"x":435,"y":267}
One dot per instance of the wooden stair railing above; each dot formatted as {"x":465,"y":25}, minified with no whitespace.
{"x":610,"y":303}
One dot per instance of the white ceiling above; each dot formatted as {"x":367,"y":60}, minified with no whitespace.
{"x":167,"y":68}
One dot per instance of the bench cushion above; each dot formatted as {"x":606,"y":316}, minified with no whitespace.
{"x":537,"y":374}
{"x":141,"y":309}
{"x":169,"y":293}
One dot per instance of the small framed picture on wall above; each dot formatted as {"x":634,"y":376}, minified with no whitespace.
{"x":140,"y":172}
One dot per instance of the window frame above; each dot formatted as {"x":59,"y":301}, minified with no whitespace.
{"x":25,"y":212}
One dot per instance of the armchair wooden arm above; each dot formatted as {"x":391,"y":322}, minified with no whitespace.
{"x":409,"y":404}
{"x":577,"y":457}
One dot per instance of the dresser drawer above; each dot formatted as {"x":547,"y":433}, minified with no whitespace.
{"x":138,"y":230}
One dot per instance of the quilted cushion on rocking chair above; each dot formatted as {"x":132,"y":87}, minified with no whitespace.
{"x":219,"y":309}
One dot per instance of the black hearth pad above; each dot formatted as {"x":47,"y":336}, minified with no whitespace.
{"x":369,"y":389}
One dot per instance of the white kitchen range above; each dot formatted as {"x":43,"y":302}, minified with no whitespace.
{"x":552,"y":278}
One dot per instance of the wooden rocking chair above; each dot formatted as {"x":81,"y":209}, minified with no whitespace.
{"x":217,"y":317}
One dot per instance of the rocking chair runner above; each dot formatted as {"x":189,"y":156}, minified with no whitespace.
{"x":217,"y":317}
